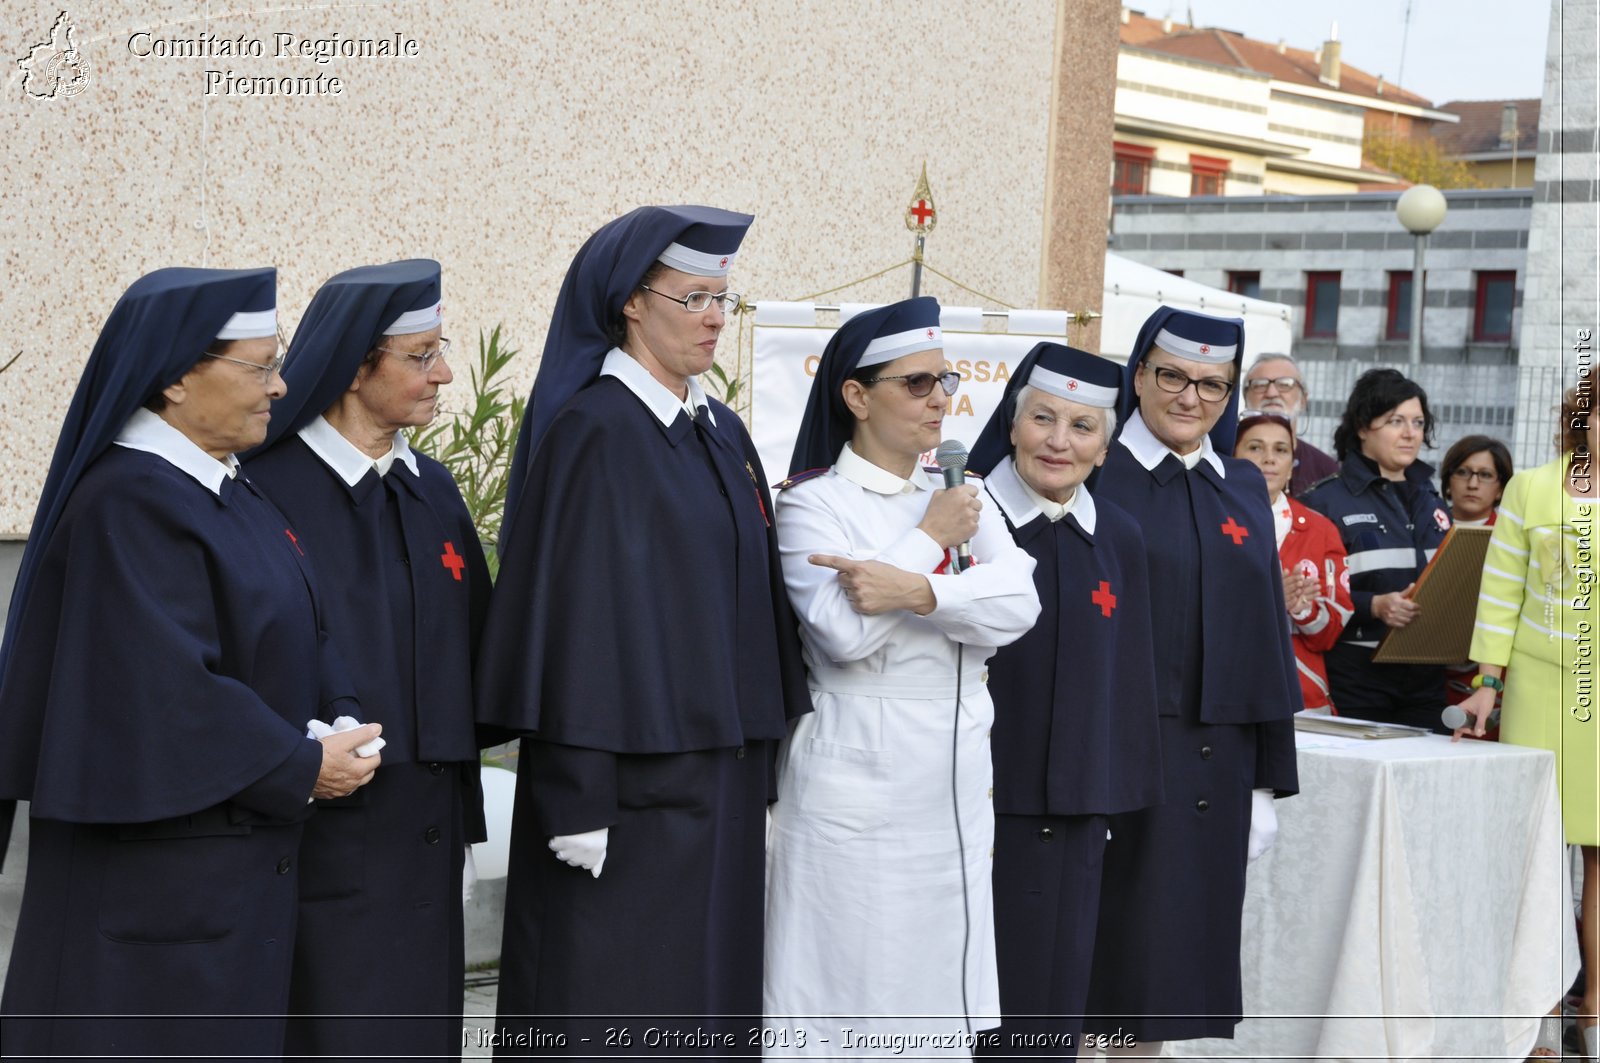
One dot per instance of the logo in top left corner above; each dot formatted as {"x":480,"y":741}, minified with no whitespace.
{"x":54,"y":66}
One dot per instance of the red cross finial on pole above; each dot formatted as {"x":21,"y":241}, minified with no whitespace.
{"x":922,"y":215}
{"x":452,"y":560}
{"x":1104,"y":598}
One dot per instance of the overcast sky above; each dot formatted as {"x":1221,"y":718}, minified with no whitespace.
{"x":1456,"y":49}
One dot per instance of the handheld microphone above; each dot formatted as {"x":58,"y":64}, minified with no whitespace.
{"x":1455,"y":716}
{"x":952,"y":458}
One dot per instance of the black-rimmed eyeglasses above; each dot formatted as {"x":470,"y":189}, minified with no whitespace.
{"x":700,"y":302}
{"x":921,"y":384}
{"x":1210,"y":389}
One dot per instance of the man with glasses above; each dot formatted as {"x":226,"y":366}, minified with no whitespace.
{"x":1166,"y":961}
{"x":1274,"y":385}
{"x":379,"y":958}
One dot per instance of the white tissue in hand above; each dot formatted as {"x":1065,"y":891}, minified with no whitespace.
{"x":319,"y":730}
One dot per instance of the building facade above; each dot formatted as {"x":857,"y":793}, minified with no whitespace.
{"x":1344,"y":263}
{"x":1210,"y":112}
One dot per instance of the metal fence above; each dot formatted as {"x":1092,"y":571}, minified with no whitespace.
{"x":1516,"y":404}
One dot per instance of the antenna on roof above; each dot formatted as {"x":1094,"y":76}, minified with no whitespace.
{"x":1405,"y":32}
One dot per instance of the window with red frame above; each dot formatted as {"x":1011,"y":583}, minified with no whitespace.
{"x":1130,"y":169}
{"x":1245,"y":282}
{"x":1497,"y":297}
{"x":1322,"y":305}
{"x":1399,"y":320}
{"x":1207,"y":175}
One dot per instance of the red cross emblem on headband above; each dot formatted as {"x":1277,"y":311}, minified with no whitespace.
{"x":930,"y":334}
{"x":724,"y":262}
{"x":452,"y":560}
{"x":1072,"y":385}
{"x":1205,"y":348}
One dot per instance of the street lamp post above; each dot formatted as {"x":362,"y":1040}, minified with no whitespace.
{"x":1420,"y":209}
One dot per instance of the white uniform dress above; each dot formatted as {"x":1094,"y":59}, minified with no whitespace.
{"x":871,"y":907}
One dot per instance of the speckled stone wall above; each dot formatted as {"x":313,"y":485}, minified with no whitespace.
{"x":1078,"y":186}
{"x":506,"y":133}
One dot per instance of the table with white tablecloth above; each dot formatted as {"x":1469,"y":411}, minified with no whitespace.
{"x":1417,"y":905}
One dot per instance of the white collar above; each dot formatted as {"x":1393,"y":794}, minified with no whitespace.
{"x":348,"y":461}
{"x":1282,"y":517}
{"x":148,"y":432}
{"x":863,"y":473}
{"x":1148,"y":450}
{"x":1021,"y":503}
{"x":650,"y":391}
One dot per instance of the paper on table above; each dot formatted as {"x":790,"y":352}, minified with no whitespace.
{"x":1348,"y":727}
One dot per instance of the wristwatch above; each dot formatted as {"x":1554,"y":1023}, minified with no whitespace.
{"x":1481,"y":680}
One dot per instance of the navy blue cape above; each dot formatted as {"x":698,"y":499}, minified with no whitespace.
{"x":628,"y":616}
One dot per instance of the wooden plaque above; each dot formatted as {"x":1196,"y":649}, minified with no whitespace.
{"x":1447,"y":590}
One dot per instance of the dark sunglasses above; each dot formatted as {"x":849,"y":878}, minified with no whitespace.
{"x":920,"y":384}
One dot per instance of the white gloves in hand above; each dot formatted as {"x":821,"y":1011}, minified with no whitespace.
{"x":586,"y":850}
{"x":319,"y":730}
{"x":1263,"y":823}
{"x":469,"y":878}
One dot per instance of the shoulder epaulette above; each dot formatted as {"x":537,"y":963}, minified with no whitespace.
{"x":1326,"y":479}
{"x":801,"y":477}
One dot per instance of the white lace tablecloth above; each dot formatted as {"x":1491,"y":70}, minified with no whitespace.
{"x":1416,"y":906}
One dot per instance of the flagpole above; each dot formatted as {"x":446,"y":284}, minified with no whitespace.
{"x":920,"y":218}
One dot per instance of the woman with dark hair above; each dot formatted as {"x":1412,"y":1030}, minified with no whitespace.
{"x":879,"y":911}
{"x":1472,"y":478}
{"x":162,"y":660}
{"x":1391,"y":521}
{"x":640,"y":640}
{"x":1533,"y":640}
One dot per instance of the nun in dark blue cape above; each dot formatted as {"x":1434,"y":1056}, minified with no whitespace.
{"x":1167,"y":949}
{"x":1075,"y":734}
{"x":640,"y":639}
{"x":379,"y":959}
{"x":162,"y":658}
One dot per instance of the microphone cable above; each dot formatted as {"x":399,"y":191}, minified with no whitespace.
{"x":961,"y":845}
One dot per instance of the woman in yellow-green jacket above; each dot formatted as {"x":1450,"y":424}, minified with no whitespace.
{"x":1538,"y":621}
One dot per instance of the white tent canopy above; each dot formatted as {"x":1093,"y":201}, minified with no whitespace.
{"x":1133,"y":291}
